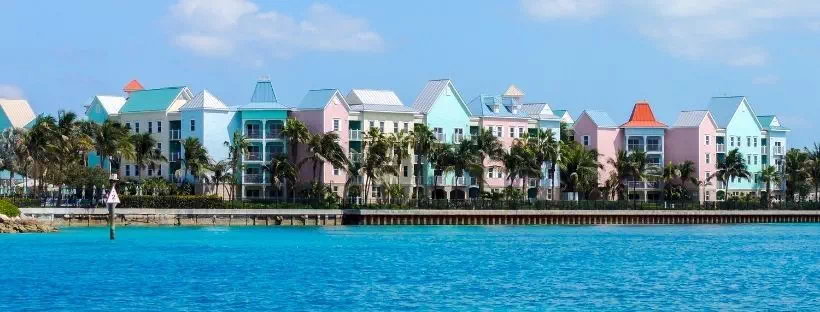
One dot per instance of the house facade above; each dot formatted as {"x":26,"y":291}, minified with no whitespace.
{"x":595,"y":130}
{"x":693,"y":138}
{"x":643,"y":133}
{"x":738,"y":128}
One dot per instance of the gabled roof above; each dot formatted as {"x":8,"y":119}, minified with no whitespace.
{"x":483,"y":106}
{"x":319,"y":99}
{"x":132,"y":86}
{"x":153,"y":100}
{"x":539,"y":111}
{"x":564,"y":115}
{"x":373,"y":97}
{"x":111,"y":104}
{"x":770,"y":122}
{"x":204,"y":100}
{"x":723,"y":108}
{"x":692,"y":119}
{"x":431,"y":92}
{"x":600,"y":118}
{"x":18,"y":112}
{"x":643,"y":117}
{"x":513,"y":91}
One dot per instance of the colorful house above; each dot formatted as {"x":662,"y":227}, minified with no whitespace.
{"x":261,"y":121}
{"x":693,"y":138}
{"x":595,"y":130}
{"x":383,"y":110}
{"x":564,"y":116}
{"x":773,"y":148}
{"x":15,"y":114}
{"x":448,"y":116}
{"x":644,"y":133}
{"x":547,"y":119}
{"x":217,"y":124}
{"x":739,"y":128}
{"x":323,"y":111}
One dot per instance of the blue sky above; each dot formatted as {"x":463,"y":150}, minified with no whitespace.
{"x":573,"y":54}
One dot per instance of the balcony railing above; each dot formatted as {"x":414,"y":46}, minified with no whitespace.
{"x":253,"y":156}
{"x":721,"y":148}
{"x":355,"y":157}
{"x":418,"y":159}
{"x":273,"y":134}
{"x":764,"y":150}
{"x":459,"y":181}
{"x":439,"y":180}
{"x":653,"y":147}
{"x":643,"y":185}
{"x":418,"y":180}
{"x":175,"y":134}
{"x":253,"y":178}
{"x":531,"y":182}
{"x":473,"y":181}
{"x":272,"y":155}
{"x":779,"y":150}
{"x":458,"y":137}
{"x":441,"y":137}
{"x":355,"y":135}
{"x":634,"y":147}
{"x":253,"y":134}
{"x":174,"y":157}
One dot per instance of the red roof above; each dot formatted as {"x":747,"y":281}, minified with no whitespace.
{"x":642,"y":117}
{"x":132,"y":86}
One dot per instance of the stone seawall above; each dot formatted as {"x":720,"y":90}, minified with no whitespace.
{"x":330,"y":217}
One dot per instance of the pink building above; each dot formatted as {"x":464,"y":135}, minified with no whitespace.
{"x":324,"y":111}
{"x":596,"y":130}
{"x":693,"y":137}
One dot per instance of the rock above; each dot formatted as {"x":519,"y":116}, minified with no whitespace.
{"x":25,"y":226}
{"x":4,"y":218}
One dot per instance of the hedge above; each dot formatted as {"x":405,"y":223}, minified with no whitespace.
{"x":8,"y":209}
{"x":207,"y":202}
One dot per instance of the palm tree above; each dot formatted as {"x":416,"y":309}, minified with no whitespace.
{"x":423,"y":141}
{"x":733,"y":166}
{"x":795,"y":171}
{"x":376,"y":160}
{"x":579,"y":166}
{"x":111,"y":140}
{"x":324,"y":148}
{"x":622,"y":169}
{"x":145,"y":151}
{"x":10,"y":140}
{"x":686,"y":173}
{"x":441,"y":159}
{"x":40,"y":142}
{"x":566,"y":133}
{"x":467,"y":159}
{"x":69,"y":147}
{"x":400,"y":143}
{"x":237,"y":147}
{"x":813,"y":169}
{"x":546,"y":149}
{"x":220,"y":173}
{"x":769,"y":175}
{"x":296,"y":132}
{"x":354,"y":171}
{"x":195,"y":157}
{"x":280,"y":170}
{"x":514,"y":163}
{"x":488,"y":146}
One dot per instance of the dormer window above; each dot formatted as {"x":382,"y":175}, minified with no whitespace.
{"x":496,"y":108}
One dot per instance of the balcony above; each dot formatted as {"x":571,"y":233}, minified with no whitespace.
{"x":721,"y":148}
{"x":635,"y":147}
{"x":441,"y":137}
{"x":253,"y":134}
{"x":355,"y":135}
{"x":458,"y":137}
{"x":355,"y":157}
{"x":440,"y":180}
{"x":643,"y":185}
{"x":764,"y":150}
{"x":272,"y":155}
{"x":174,"y":157}
{"x":473,"y":181}
{"x":532,"y":182}
{"x":273,"y":134}
{"x":418,"y":159}
{"x":459,"y":181}
{"x":418,"y":180}
{"x":175,"y":134}
{"x":253,"y":156}
{"x":779,"y":150}
{"x":253,"y":178}
{"x":653,"y":148}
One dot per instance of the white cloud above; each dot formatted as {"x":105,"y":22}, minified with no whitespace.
{"x":724,"y":31}
{"x":769,"y":79}
{"x":10,"y":92}
{"x":555,"y":9}
{"x":228,"y":27}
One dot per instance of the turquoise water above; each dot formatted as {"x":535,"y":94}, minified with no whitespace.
{"x":627,"y":268}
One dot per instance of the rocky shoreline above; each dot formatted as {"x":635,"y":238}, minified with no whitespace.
{"x":23,"y":225}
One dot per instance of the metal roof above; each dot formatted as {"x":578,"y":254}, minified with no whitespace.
{"x":111,"y":104}
{"x":539,"y":110}
{"x":643,"y":117}
{"x":18,"y":112}
{"x":723,"y":108}
{"x":151,"y":100}
{"x":690,"y":119}
{"x":204,"y":100}
{"x":600,"y":118}
{"x":263,"y":92}
{"x":483,"y":105}
{"x":373,"y":97}
{"x":318,"y":99}
{"x":513,"y":91}
{"x":132,"y":86}
{"x":771,"y":122}
{"x":381,"y":108}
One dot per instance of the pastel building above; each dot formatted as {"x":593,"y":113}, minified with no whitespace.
{"x":445,"y":112}
{"x":15,"y":114}
{"x":693,"y":138}
{"x":646,"y":134}
{"x":206,"y":118}
{"x":322,"y":111}
{"x":383,"y":110}
{"x":544,"y":118}
{"x":596,"y":130}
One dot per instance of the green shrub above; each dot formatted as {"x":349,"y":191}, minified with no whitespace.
{"x":186,"y":201}
{"x":8,"y":209}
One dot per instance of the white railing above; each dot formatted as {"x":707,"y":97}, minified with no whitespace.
{"x":174,"y":157}
{"x":418,"y":159}
{"x":355,"y":157}
{"x":273,"y":134}
{"x":440,"y":137}
{"x":458,"y":137}
{"x":355,"y":135}
{"x":459,"y":181}
{"x":175,"y":134}
{"x":653,"y":147}
{"x":642,"y":185}
{"x":254,"y":134}
{"x":439,"y":180}
{"x":473,"y":181}
{"x":779,"y":150}
{"x":252,"y":178}
{"x":253,"y":156}
{"x":721,"y":148}
{"x":634,"y":147}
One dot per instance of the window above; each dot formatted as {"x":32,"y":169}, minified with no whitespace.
{"x":520,"y":132}
{"x":708,"y":195}
{"x":748,"y":141}
{"x":150,"y":170}
{"x":755,"y":141}
{"x":372,"y":124}
{"x":707,"y":139}
{"x":395,"y":127}
{"x":377,"y":192}
{"x":159,"y":126}
{"x":159,"y":170}
{"x":708,"y":173}
{"x":490,"y":172}
{"x":708,"y":158}
{"x":381,"y":126}
{"x":136,"y":170}
{"x":586,"y":140}
{"x":127,"y":170}
{"x":335,"y":189}
{"x":405,"y":171}
{"x":128,"y":125}
{"x":499,"y":131}
{"x":137,"y":127}
{"x":748,"y":159}
{"x":498,"y":172}
{"x":732,"y":141}
{"x":733,"y":179}
{"x":755,"y":160}
{"x":150,"y":127}
{"x":406,"y":126}
{"x":336,"y":124}
{"x":335,"y":170}
{"x":512,"y":132}
{"x":159,"y":146}
{"x":193,"y":125}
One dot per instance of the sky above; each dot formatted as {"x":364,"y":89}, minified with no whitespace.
{"x":572,"y":54}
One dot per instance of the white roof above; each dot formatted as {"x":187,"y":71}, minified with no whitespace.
{"x":513,"y":91}
{"x":539,"y":110}
{"x":204,"y":100}
{"x":112,"y":104}
{"x":373,"y":97}
{"x":18,"y":112}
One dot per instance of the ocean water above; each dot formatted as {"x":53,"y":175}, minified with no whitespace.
{"x":466,"y":268}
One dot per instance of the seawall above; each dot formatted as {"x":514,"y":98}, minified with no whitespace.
{"x":334,"y":217}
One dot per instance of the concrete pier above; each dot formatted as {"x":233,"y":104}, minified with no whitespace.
{"x":331,"y":217}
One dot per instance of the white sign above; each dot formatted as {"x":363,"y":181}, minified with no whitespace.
{"x":113,"y":198}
